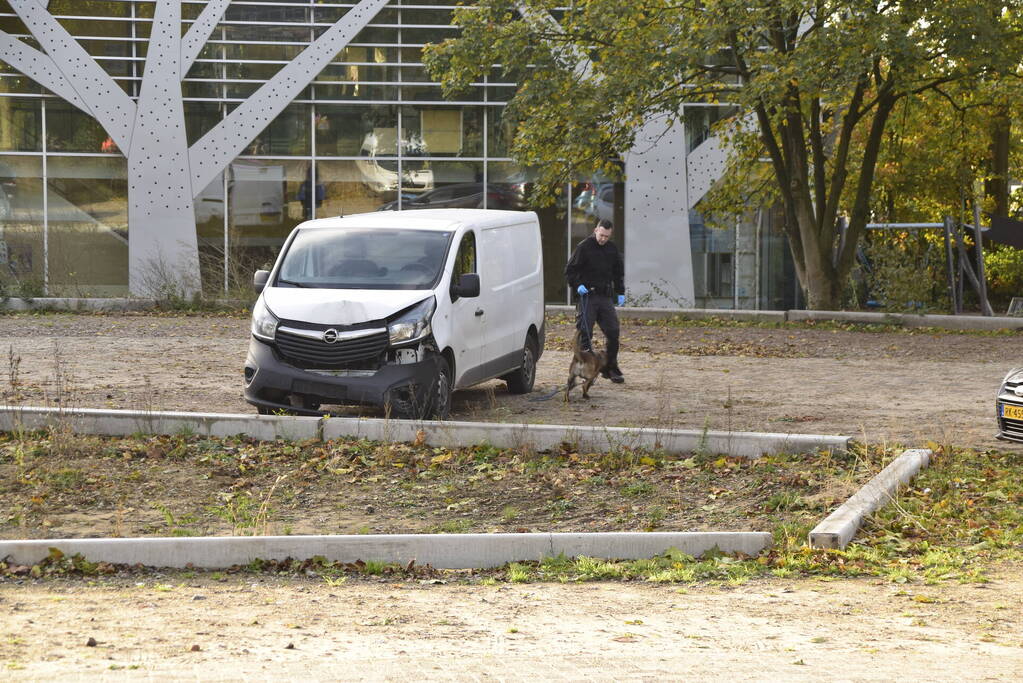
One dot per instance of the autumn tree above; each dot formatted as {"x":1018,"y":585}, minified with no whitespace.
{"x":814,"y":84}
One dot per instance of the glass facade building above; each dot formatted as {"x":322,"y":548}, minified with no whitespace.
{"x":369,"y":132}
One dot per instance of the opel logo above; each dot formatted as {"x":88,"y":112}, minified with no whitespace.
{"x":1018,"y":390}
{"x":330,"y":336}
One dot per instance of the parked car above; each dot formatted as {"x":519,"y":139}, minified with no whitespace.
{"x":397,"y":310}
{"x":463,"y":196}
{"x":1009,"y":406}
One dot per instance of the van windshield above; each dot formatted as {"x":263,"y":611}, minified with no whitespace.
{"x":361,"y":258}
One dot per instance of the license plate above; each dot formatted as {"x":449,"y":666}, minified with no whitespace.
{"x":1011,"y":412}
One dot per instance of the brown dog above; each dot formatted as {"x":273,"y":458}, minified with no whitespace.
{"x":586,"y":365}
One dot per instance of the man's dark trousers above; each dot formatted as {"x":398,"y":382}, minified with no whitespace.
{"x":599,"y":309}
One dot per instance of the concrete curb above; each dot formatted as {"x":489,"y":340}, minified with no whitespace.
{"x":72,"y":304}
{"x":838,"y":528}
{"x":543,"y":437}
{"x":443,"y":551}
{"x":433,"y":433}
{"x":126,"y":422}
{"x":948,"y":322}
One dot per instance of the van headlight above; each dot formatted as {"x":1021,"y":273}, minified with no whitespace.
{"x":411,"y":324}
{"x":264,"y":324}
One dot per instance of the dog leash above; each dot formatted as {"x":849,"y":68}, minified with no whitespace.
{"x":582,"y":314}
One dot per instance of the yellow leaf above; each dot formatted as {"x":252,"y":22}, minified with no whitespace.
{"x":438,"y":459}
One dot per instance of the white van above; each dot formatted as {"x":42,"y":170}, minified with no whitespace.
{"x":397,"y":309}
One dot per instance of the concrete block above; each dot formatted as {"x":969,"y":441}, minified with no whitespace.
{"x":443,"y":551}
{"x":590,"y":439}
{"x":125,"y":422}
{"x":838,"y":528}
{"x":77,"y":304}
{"x":860,"y":317}
{"x":637,"y":313}
{"x":964,"y":322}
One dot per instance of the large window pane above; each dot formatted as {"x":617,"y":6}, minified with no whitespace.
{"x":20,"y":124}
{"x":263,"y":207}
{"x":88,"y":225}
{"x":356,"y":130}
{"x":443,"y":131}
{"x":288,"y":135}
{"x":69,"y":129}
{"x":353,"y":187}
{"x":209,"y":226}
{"x":21,"y":226}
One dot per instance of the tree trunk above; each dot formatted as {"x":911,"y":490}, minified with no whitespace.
{"x":163,"y":254}
{"x":997,"y":185}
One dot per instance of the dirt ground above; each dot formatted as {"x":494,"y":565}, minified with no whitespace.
{"x":168,"y":627}
{"x":875,"y":386}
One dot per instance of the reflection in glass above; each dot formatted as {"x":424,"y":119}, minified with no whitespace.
{"x":21,"y":127}
{"x":287,"y":135}
{"x":263,"y":207}
{"x":356,"y":130}
{"x":353,"y":258}
{"x":69,"y":129}
{"x":87,"y":200}
{"x":443,"y":131}
{"x":347,"y":188}
{"x":210,"y":230}
{"x":21,"y":226}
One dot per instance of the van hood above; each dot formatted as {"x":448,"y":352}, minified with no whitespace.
{"x":339,"y":306}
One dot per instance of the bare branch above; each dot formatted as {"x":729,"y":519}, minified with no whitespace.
{"x":110,"y":105}
{"x":199,"y":33}
{"x":228,"y":138}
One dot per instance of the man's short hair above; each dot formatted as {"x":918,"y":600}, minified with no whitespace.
{"x":606,"y":224}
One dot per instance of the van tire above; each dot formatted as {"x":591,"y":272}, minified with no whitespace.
{"x":437,"y":399}
{"x":440,"y":391}
{"x":521,"y":381}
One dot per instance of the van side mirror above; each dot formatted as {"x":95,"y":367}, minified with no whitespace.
{"x":468,"y":286}
{"x":259,"y":280}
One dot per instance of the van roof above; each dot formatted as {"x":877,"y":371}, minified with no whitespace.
{"x":424,"y":219}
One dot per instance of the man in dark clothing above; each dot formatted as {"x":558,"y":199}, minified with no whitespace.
{"x":597,"y":274}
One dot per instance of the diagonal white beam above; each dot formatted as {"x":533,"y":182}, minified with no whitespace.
{"x":40,"y":68}
{"x":199,"y":33}
{"x":105,"y":100}
{"x":213,"y":151}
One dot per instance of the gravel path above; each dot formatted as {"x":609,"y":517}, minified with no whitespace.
{"x":879,"y":386}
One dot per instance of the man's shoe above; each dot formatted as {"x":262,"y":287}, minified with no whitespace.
{"x":617,"y":377}
{"x":605,"y":373}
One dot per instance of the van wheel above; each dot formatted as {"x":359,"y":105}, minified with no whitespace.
{"x":437,"y":399}
{"x":440,"y":392}
{"x":521,"y":381}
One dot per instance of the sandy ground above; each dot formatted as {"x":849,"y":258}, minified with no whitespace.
{"x":271,"y":629}
{"x":877,"y":386}
{"x":893,"y":387}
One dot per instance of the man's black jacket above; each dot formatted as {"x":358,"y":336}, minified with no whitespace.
{"x":600,"y":268}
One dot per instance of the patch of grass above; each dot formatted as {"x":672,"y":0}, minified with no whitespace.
{"x":637,"y":489}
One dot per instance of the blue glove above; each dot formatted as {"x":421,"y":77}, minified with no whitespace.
{"x":582,"y":290}
{"x":621,"y":299}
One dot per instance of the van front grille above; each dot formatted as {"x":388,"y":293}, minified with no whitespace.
{"x":308,"y":353}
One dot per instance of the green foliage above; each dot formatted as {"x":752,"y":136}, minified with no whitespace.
{"x":1003,"y":266}
{"x":907,"y":272}
{"x":814,"y":86}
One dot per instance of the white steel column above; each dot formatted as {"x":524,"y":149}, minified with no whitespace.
{"x":658,"y":255}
